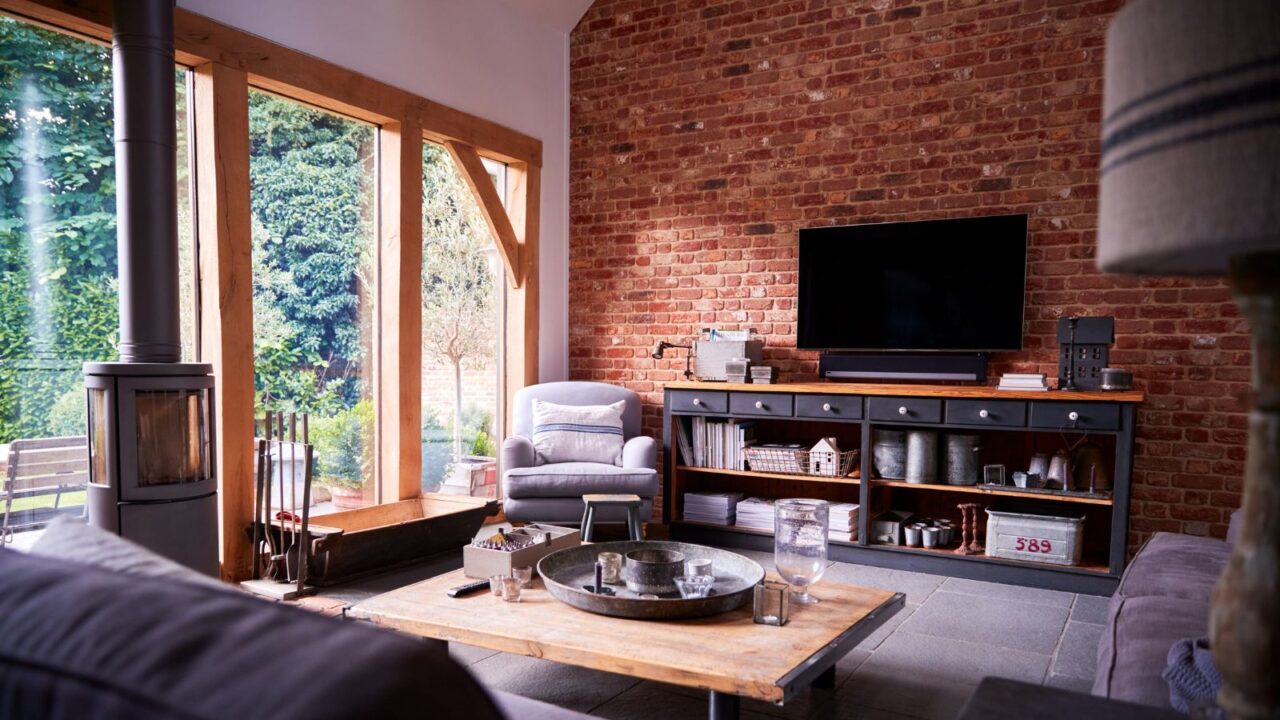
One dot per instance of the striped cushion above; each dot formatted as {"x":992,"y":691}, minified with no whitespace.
{"x":577,"y":433}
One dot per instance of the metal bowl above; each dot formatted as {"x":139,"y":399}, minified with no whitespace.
{"x":566,"y":574}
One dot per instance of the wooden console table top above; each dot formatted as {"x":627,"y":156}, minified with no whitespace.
{"x":727,"y":653}
{"x":985,"y":392}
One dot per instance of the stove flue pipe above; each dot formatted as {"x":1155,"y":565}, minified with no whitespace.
{"x":146,"y":179}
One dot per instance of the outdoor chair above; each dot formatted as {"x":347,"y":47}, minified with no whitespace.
{"x":39,"y":468}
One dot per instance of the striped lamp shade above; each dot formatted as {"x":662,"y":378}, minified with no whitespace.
{"x":1191,"y":136}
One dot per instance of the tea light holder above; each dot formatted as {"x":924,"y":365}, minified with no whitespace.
{"x":611,"y":563}
{"x":511,"y":589}
{"x":523,"y":574}
{"x":771,"y":606}
{"x":698,"y":566}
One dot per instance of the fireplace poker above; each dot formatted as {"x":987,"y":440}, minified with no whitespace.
{"x":258,"y":528}
{"x":304,"y":549}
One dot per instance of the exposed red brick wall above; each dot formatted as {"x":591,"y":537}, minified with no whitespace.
{"x":706,"y":133}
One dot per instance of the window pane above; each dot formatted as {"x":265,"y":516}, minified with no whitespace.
{"x":314,"y":261}
{"x":461,"y":318}
{"x":189,"y":316}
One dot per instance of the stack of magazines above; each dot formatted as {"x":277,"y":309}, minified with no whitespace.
{"x":1023,"y":381}
{"x":756,"y":513}
{"x":713,"y":508}
{"x":843,"y":519}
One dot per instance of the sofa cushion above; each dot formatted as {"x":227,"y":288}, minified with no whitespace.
{"x":566,"y":510}
{"x":1135,"y":644}
{"x":575,"y":479}
{"x":72,"y":539}
{"x":77,"y":641}
{"x":1178,"y":566}
{"x":577,"y":433}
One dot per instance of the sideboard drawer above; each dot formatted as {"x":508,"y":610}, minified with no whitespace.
{"x":829,"y":407}
{"x":774,"y":404}
{"x":694,"y":401}
{"x":995,"y":413}
{"x":1072,"y":415}
{"x":905,"y":410}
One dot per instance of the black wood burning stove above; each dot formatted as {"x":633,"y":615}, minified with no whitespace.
{"x":152,"y":476}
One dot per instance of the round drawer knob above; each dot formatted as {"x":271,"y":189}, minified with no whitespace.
{"x":1073,"y":416}
{"x":902,"y":410}
{"x":826,"y":407}
{"x":697,"y":401}
{"x":759,"y":405}
{"x":984,"y":413}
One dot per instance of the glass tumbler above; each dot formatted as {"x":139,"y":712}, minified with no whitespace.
{"x":800,"y":544}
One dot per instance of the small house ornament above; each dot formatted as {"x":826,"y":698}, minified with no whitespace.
{"x":824,"y":458}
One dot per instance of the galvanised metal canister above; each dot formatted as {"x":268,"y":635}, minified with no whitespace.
{"x":889,"y":452}
{"x":922,"y":456}
{"x":962,"y":466}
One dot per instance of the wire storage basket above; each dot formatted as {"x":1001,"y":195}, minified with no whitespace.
{"x":789,"y":461}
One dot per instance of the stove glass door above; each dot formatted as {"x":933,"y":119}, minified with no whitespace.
{"x":173,"y":437}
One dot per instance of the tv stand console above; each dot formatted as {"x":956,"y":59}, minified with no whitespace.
{"x":1011,"y":427}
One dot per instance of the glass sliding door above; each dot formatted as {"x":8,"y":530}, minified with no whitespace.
{"x":313,"y":198}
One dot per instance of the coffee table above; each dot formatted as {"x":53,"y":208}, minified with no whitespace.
{"x":728,"y":655}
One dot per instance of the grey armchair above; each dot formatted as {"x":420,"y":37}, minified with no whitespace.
{"x":552,"y":492}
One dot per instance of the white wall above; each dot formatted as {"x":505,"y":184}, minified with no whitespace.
{"x":480,"y":56}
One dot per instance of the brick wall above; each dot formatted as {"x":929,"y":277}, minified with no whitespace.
{"x":706,"y":133}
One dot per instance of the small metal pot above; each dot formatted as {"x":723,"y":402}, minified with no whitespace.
{"x":922,"y":456}
{"x":931,"y":537}
{"x":914,"y":535}
{"x":889,"y":454}
{"x":652,"y":570}
{"x":945,"y":533}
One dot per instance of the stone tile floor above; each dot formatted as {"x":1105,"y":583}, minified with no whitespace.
{"x":923,"y":664}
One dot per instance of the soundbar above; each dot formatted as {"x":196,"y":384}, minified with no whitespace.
{"x":970,"y":367}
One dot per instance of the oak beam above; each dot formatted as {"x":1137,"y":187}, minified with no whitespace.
{"x":221,"y":102}
{"x":495,"y":215}
{"x":400,"y":298}
{"x":520,"y":342}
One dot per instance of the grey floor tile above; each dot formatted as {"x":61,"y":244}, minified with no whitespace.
{"x":902,"y":691}
{"x":874,"y":640}
{"x":1090,"y":609}
{"x":917,"y":586}
{"x":1066,"y":682}
{"x":468,"y":654}
{"x":651,"y":700}
{"x":564,"y":685}
{"x":992,"y":622}
{"x":952,"y":661}
{"x":1001,"y":591}
{"x":1077,"y":654}
{"x":841,"y":710}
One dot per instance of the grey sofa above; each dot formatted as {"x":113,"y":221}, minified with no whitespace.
{"x":553,"y":492}
{"x":1162,"y":598}
{"x":130,"y":637}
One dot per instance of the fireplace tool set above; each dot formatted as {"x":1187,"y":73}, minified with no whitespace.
{"x":280,"y":537}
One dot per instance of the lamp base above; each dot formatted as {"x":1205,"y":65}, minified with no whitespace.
{"x":1244,"y":626}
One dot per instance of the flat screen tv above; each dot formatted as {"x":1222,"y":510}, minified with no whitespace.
{"x":932,"y":285}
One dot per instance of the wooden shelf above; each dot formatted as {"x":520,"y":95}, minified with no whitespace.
{"x":770,"y":476}
{"x":1083,"y":566}
{"x":976,"y":490}
{"x":1095,"y":568}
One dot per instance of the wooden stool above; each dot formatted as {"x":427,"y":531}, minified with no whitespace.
{"x":630,"y":502}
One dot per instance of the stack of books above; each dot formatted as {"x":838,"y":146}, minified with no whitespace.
{"x":755,"y":513}
{"x":1023,"y":381}
{"x":843,"y":522}
{"x":713,"y":508}
{"x":716,"y":444}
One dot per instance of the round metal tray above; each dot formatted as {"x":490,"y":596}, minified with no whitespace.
{"x":566,"y":572}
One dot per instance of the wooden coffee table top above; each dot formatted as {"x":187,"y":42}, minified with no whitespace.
{"x":728,"y":653}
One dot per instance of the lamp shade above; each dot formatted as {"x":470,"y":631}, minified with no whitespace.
{"x":1191,"y":136}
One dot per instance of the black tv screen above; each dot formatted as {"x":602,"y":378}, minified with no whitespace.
{"x":931,"y":285}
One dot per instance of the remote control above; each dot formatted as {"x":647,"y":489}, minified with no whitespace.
{"x":468,"y":588}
